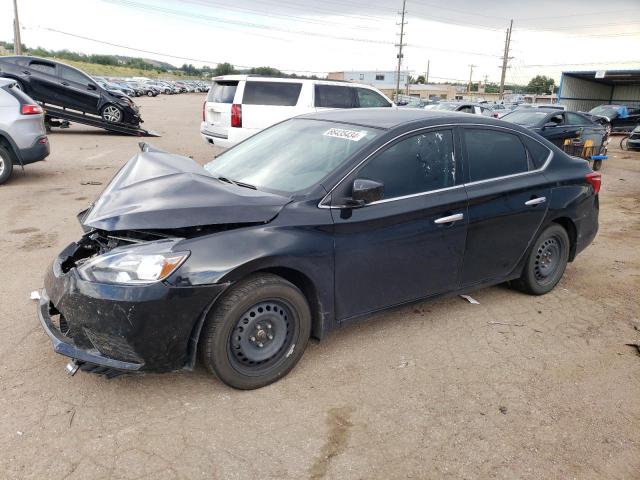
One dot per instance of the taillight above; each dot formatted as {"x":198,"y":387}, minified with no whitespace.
{"x":204,"y":105}
{"x":30,"y":109}
{"x":595,"y":179}
{"x":236,"y":115}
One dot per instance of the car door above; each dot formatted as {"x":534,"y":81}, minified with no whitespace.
{"x":556,"y":129}
{"x":43,"y":81}
{"x":508,"y":199}
{"x":78,"y":91}
{"x":410,"y":244}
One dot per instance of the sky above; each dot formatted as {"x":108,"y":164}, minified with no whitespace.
{"x":306,"y":36}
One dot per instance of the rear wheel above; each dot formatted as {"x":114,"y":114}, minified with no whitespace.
{"x":546,"y":262}
{"x":150,"y":93}
{"x":597,"y":165}
{"x":6,"y":164}
{"x":257,"y":332}
{"x":111,"y":113}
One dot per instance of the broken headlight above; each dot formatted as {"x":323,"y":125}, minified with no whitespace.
{"x":130,"y":267}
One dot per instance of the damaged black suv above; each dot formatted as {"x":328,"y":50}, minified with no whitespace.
{"x":304,"y":227}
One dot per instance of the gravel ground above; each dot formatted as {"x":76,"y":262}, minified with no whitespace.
{"x":515,"y":387}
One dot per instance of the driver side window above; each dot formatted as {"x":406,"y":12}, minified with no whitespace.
{"x":417,"y":164}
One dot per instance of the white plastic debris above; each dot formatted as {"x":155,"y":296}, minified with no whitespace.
{"x":470,"y":299}
{"x":35,"y":295}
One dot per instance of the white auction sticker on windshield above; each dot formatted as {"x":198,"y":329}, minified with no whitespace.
{"x":353,"y":135}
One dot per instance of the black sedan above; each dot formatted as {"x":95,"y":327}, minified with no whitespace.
{"x":309,"y":225}
{"x":617,"y":118}
{"x":558,"y":126}
{"x":58,"y":84}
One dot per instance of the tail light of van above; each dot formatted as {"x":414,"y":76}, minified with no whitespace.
{"x":595,"y":180}
{"x":30,"y":109}
{"x":236,"y":115}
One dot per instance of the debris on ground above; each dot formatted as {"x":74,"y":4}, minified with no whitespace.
{"x":470,"y":299}
{"x":506,"y":324}
{"x":91,"y":182}
{"x":636,"y":346}
{"x":503,"y":409}
{"x":35,"y":295}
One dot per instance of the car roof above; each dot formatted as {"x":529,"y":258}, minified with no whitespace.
{"x":265,"y":78}
{"x":387,"y":118}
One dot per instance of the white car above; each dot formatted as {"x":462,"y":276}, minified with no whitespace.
{"x":239,"y":106}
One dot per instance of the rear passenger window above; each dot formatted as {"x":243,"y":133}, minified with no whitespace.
{"x":335,"y":96}
{"x":538,"y":153}
{"x":493,"y":154}
{"x":222,"y":92}
{"x":370,"y":99}
{"x":271,"y":93}
{"x":43,"y":67}
{"x":417,"y":164}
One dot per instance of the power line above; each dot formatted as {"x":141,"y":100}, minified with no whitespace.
{"x":200,"y":60}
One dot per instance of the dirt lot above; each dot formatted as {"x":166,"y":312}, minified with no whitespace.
{"x":516,"y":387}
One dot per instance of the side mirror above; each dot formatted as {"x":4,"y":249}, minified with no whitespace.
{"x":550,"y":125}
{"x":366,"y":191}
{"x":91,"y":86}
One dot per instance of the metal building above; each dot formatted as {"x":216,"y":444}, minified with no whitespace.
{"x":582,"y":91}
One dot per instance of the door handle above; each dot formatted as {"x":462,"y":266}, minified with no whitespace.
{"x":65,"y":84}
{"x":450,"y":219}
{"x":26,"y":72}
{"x":535,"y":201}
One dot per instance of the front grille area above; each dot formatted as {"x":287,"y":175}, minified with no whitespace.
{"x":112,"y":346}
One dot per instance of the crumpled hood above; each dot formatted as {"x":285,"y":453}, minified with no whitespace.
{"x":158,"y":190}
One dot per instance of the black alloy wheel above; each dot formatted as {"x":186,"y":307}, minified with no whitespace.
{"x":257,"y":332}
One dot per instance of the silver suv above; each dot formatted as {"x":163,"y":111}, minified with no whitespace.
{"x":23,"y":138}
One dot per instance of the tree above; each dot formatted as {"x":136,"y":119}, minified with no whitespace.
{"x":267,"y":72}
{"x":541,"y":84}
{"x":224,"y":69}
{"x":420,"y":79}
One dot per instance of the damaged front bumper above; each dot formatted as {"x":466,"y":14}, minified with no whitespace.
{"x":121,"y":328}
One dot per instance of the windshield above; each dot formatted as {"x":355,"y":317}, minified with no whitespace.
{"x":291,"y":156}
{"x":445,"y":106}
{"x":604,"y":110}
{"x":527,"y":116}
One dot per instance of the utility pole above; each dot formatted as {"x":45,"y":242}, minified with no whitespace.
{"x":470,"y":76}
{"x":426,"y":79}
{"x":17,"y":43}
{"x":505,"y":58}
{"x":400,"y":45}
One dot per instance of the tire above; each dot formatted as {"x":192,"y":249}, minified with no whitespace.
{"x":150,"y":94}
{"x":111,"y":113}
{"x":256,"y":333}
{"x":546,"y":261}
{"x":597,"y":165}
{"x":6,"y":164}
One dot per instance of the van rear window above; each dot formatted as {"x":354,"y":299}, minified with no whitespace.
{"x":271,"y":93}
{"x":222,"y":91}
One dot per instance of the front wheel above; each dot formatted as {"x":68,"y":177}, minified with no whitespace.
{"x":111,"y":114}
{"x":257,"y":332}
{"x":546,"y":262}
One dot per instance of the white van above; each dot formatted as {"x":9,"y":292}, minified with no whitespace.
{"x":239,"y":106}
